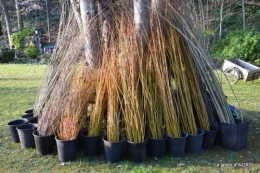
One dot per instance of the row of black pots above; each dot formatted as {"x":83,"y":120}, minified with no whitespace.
{"x":91,"y":145}
{"x":21,"y":132}
{"x":136,"y":150}
{"x":235,"y":139}
{"x":171,"y":145}
{"x":12,"y":126}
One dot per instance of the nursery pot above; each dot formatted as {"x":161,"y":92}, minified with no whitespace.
{"x":156,"y":147}
{"x":25,"y":135}
{"x":176,"y":145}
{"x":29,"y":111}
{"x":67,"y":149}
{"x":27,"y":116}
{"x":137,"y":150}
{"x":113,"y":150}
{"x":44,"y":144}
{"x":209,"y":138}
{"x":194,"y":142}
{"x":12,"y":128}
{"x":33,"y":120}
{"x":91,"y":144}
{"x":234,"y":136}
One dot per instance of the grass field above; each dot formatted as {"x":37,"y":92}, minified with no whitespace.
{"x":18,"y":90}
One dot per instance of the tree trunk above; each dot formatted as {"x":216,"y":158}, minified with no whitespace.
{"x":7,"y":22}
{"x":244,"y":15}
{"x":88,"y":12}
{"x":19,"y":17}
{"x":48,"y":20}
{"x":221,"y":18}
{"x":107,"y":21}
{"x":142,"y":20}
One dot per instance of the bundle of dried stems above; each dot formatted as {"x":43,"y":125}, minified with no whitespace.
{"x":134,"y":80}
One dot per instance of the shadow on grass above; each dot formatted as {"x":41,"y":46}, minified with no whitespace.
{"x":18,"y":79}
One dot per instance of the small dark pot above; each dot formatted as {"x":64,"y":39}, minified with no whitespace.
{"x":12,"y":128}
{"x":176,"y":145}
{"x":156,"y":147}
{"x":194,"y":142}
{"x":28,"y":111}
{"x":137,"y":150}
{"x":209,"y":138}
{"x":25,"y":135}
{"x":91,"y":144}
{"x":33,"y":120}
{"x":44,"y":144}
{"x":27,"y":116}
{"x":113,"y":150}
{"x":67,"y":149}
{"x":234,"y":136}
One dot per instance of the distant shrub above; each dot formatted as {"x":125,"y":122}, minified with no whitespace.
{"x":18,"y":38}
{"x":31,"y":51}
{"x":7,"y":55}
{"x":257,"y":62}
{"x":242,"y":44}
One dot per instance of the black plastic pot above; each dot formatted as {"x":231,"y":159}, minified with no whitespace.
{"x":44,"y":144}
{"x":176,"y":145}
{"x":194,"y":142}
{"x":156,"y":147}
{"x":27,"y":116}
{"x":67,"y":149}
{"x":137,"y":150}
{"x":113,"y":150}
{"x":29,"y":111}
{"x":12,"y":128}
{"x":25,"y":135}
{"x":91,"y":144}
{"x":234,"y":136}
{"x":33,"y":120}
{"x":209,"y":138}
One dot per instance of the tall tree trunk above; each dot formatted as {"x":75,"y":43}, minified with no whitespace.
{"x":142,"y":20}
{"x":7,"y":21}
{"x":48,"y":19}
{"x":221,"y":18}
{"x":107,"y":21}
{"x":244,"y":15}
{"x":19,"y":17}
{"x":88,"y":12}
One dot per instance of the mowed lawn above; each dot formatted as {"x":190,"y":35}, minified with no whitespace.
{"x":19,"y":86}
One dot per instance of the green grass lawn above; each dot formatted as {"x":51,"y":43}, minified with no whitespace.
{"x":18,"y":90}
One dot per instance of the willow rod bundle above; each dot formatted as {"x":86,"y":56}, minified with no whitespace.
{"x":57,"y":83}
{"x":183,"y":91}
{"x":163,"y":113}
{"x":181,"y":21}
{"x":100,"y":105}
{"x":195,"y":89}
{"x":74,"y":114}
{"x":133,"y":113}
{"x":152,"y":101}
{"x":114,"y":96}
